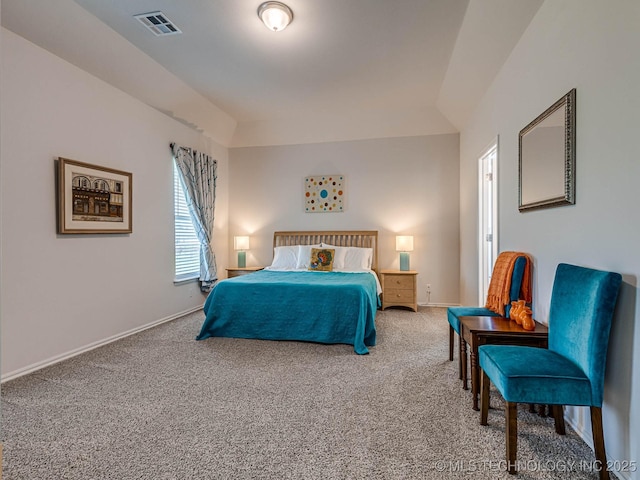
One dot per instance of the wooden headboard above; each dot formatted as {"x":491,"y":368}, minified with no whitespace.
{"x":339,"y":238}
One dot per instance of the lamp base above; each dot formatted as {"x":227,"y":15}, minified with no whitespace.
{"x":404,"y":261}
{"x":242,"y":259}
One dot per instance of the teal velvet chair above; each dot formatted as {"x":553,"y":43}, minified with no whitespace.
{"x":453,"y":314}
{"x":571,"y":371}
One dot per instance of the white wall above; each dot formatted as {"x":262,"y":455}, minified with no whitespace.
{"x":405,"y":185}
{"x":61,"y":293}
{"x":592,"y":46}
{"x":319,"y":127}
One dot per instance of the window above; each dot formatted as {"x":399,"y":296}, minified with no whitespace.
{"x":187,"y":243}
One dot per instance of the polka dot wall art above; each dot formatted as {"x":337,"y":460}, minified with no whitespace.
{"x":324,"y":194}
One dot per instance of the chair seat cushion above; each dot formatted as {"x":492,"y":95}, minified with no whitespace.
{"x":534,"y":375}
{"x":454,"y":314}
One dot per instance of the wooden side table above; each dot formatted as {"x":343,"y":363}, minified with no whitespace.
{"x":477,"y":331}
{"x":237,"y":271}
{"x":399,"y":289}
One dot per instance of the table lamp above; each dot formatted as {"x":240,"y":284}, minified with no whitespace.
{"x":404,"y":245}
{"x":241,"y":244}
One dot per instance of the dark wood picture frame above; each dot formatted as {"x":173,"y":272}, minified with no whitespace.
{"x":93,"y":199}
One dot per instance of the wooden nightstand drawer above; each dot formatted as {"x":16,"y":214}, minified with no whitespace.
{"x":398,"y":296}
{"x":399,"y":289}
{"x":404,"y":282}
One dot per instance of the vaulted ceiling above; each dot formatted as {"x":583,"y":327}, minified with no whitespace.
{"x":363,"y":68}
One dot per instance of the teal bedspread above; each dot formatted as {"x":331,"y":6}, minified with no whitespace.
{"x":323,"y":307}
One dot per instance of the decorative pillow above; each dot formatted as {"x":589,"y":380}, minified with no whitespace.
{"x":304,"y":253}
{"x":321,"y":259}
{"x":284,"y":258}
{"x":357,"y":259}
{"x":338,"y":259}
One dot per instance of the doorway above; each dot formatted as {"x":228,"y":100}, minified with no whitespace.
{"x":487,"y":217}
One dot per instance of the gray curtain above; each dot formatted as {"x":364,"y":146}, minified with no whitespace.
{"x":198,"y":172}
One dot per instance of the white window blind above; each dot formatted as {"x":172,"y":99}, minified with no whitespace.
{"x":187,"y":243}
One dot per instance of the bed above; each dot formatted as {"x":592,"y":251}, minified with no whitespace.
{"x":290,"y":300}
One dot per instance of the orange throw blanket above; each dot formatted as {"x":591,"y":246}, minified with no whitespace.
{"x":498,"y":295}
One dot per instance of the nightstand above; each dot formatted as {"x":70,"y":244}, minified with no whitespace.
{"x":237,"y":271}
{"x":399,"y":289}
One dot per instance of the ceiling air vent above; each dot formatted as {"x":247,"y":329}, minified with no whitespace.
{"x":158,"y":23}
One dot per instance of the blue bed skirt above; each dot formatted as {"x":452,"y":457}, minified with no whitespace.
{"x":323,"y":307}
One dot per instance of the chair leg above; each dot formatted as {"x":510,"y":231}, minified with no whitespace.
{"x":463,"y":362}
{"x":558,"y":418}
{"x":598,"y":441}
{"x":451,"y":334}
{"x":485,"y":383}
{"x":512,"y":435}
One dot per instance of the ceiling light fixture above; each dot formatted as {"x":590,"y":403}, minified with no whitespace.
{"x":275,"y":15}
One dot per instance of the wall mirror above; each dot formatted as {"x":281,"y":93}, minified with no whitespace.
{"x":546,"y":157}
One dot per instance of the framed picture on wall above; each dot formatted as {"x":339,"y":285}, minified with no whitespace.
{"x":93,"y":199}
{"x":324,"y":193}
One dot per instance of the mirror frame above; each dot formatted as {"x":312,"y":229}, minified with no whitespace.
{"x":569,"y":197}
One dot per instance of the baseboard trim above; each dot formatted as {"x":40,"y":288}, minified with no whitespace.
{"x":78,"y":351}
{"x":579,"y":429}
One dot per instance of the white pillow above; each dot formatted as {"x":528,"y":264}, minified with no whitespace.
{"x":304,"y":256}
{"x":284,"y":258}
{"x":357,"y":259}
{"x":338,"y":256}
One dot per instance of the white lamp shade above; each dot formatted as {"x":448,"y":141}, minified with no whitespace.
{"x":404,"y":243}
{"x":275,"y":15}
{"x":241,"y":243}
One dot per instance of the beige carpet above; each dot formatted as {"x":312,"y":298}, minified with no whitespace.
{"x":159,"y":405}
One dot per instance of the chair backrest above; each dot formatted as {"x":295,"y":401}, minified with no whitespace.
{"x":582,"y":305}
{"x":516,"y":283}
